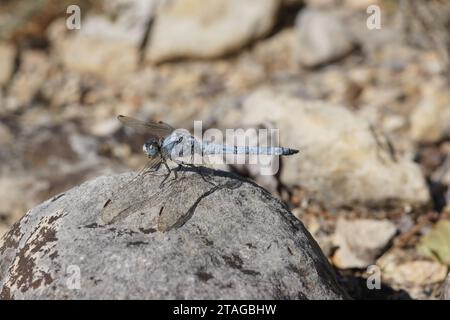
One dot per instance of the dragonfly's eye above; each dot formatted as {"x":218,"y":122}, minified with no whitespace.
{"x":150,"y":149}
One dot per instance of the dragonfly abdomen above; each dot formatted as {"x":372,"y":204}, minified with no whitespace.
{"x":223,"y":149}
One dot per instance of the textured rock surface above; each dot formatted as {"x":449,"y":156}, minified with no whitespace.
{"x":104,"y":46}
{"x":217,"y":236}
{"x":205,"y":29}
{"x":430,"y":121}
{"x":322,"y":38}
{"x":418,"y":272}
{"x":343,"y":159}
{"x":351,"y":4}
{"x":110,"y":59}
{"x":360,"y":241}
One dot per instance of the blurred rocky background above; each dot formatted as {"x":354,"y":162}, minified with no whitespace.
{"x":368,"y":108}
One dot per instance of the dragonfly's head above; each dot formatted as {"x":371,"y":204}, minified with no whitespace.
{"x":150,"y":148}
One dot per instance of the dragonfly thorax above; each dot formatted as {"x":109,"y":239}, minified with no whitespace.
{"x":150,"y":148}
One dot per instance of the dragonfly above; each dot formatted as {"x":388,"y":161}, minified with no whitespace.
{"x":166,"y":143}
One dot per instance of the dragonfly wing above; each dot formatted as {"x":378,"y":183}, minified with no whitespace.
{"x":153,"y":163}
{"x":119,"y":206}
{"x":158,"y":129}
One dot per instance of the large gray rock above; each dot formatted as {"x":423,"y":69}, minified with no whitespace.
{"x":209,"y":236}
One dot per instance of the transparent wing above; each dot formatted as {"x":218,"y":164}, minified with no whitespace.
{"x":117,"y":206}
{"x":152,"y":164}
{"x":157,"y":129}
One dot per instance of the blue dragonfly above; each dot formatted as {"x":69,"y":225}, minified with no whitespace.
{"x":166,"y":143}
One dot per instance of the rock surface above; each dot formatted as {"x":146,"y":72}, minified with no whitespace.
{"x":418,"y":272}
{"x":104,"y":46}
{"x":342,"y":159}
{"x":322,"y":38}
{"x":430,"y":121}
{"x":361,"y":241}
{"x":27,"y":81}
{"x":217,"y":236}
{"x":351,"y":4}
{"x":404,"y":270}
{"x":206,"y":29}
{"x":446,"y":289}
{"x":7,"y":56}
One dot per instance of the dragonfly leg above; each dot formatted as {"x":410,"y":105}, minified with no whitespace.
{"x":167,"y":167}
{"x":175,"y":175}
{"x":168,"y":173}
{"x":178,"y":168}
